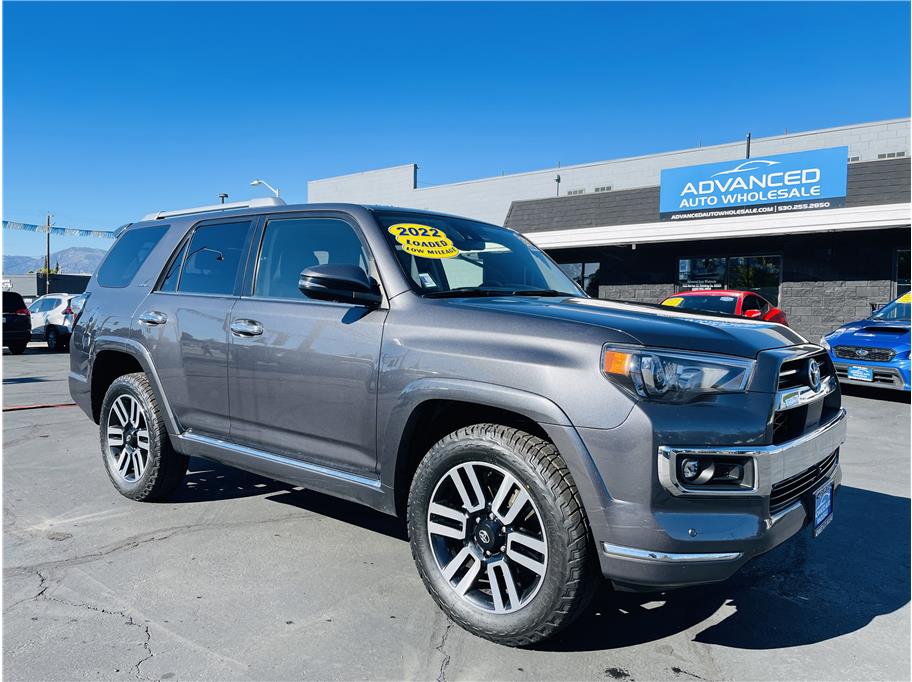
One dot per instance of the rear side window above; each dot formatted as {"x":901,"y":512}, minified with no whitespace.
{"x":213,"y":259}
{"x":127,"y":256}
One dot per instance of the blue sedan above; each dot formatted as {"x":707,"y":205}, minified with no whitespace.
{"x":875,"y":351}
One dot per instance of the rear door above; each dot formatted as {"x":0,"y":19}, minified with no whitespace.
{"x":303,"y":373}
{"x":184,"y":322}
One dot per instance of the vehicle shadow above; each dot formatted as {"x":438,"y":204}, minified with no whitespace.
{"x":874,"y":393}
{"x":804,"y":591}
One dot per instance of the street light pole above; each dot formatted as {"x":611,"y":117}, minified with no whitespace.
{"x":266,"y":185}
{"x":47,"y":258}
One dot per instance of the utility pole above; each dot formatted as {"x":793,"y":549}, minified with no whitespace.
{"x":47,"y":259}
{"x":748,"y":146}
{"x":223,"y":196}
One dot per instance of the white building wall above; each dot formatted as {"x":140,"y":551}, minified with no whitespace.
{"x":489,"y":199}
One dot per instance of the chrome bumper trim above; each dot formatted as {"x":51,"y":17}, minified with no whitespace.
{"x":666,"y":557}
{"x":790,"y":398}
{"x":770,"y":463}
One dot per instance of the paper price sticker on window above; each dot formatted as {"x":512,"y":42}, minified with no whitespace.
{"x":673,"y":302}
{"x":423,"y":241}
{"x":905,"y":298}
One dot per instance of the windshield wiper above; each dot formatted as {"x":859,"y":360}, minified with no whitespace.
{"x":460,"y":293}
{"x":540,"y":292}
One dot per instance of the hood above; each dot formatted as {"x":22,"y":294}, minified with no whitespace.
{"x":893,"y":334}
{"x":662,"y":327}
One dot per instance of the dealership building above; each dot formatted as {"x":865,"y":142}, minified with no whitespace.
{"x":817,"y":222}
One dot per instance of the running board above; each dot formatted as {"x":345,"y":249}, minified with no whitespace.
{"x":363,"y":489}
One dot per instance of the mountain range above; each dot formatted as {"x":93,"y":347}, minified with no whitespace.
{"x":74,"y":260}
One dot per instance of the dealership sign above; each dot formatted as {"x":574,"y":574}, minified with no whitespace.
{"x":801,"y":181}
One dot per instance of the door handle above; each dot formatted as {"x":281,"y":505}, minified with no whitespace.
{"x":246,"y":328}
{"x":153,"y":317}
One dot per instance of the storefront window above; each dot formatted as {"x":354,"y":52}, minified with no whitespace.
{"x":762,"y":274}
{"x":584,"y":274}
{"x":902,"y":272}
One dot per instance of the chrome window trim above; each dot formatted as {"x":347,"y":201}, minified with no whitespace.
{"x":667,"y":557}
{"x":771,"y":463}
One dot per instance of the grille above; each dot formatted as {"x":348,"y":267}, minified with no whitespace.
{"x":790,"y":490}
{"x":863,"y":353}
{"x":794,"y":373}
{"x":887,"y":377}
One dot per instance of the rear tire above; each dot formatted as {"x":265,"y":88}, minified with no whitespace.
{"x":135,"y":446}
{"x":17,"y":347}
{"x":52,"y":336}
{"x":537,"y":574}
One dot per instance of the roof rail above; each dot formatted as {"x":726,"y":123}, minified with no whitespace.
{"x":214,"y":208}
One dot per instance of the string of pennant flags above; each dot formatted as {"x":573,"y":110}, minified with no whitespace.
{"x":67,"y":231}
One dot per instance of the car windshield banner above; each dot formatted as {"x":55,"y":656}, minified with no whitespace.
{"x":782,"y":183}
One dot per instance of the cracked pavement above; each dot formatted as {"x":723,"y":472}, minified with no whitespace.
{"x":240,"y":577}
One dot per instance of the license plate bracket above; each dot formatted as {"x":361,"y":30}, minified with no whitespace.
{"x":822,"y":501}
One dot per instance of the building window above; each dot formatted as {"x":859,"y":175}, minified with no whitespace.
{"x":891,"y":155}
{"x":762,"y":274}
{"x":853,"y":159}
{"x":901,"y":281}
{"x":584,"y":274}
{"x":603,"y":188}
{"x":574,"y":192}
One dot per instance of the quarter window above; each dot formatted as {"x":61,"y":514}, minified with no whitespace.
{"x":293,"y":244}
{"x":213,"y":259}
{"x":128,"y":254}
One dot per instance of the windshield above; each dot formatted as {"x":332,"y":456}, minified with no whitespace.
{"x":897,"y":310}
{"x":445,"y":256}
{"x":712,"y":304}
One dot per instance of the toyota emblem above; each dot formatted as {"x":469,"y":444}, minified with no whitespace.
{"x":484,"y":536}
{"x":814,"y":374}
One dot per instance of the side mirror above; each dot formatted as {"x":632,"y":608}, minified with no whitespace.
{"x":337,"y":282}
{"x":752,"y":313}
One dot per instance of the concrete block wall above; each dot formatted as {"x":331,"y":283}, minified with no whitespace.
{"x":816,"y":308}
{"x":489,"y":199}
{"x":639,"y":293}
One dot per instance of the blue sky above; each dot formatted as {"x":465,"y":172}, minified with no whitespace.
{"x":113,"y":110}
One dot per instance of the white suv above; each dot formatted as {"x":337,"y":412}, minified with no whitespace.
{"x":52,"y":320}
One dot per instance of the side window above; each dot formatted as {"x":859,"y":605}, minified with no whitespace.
{"x":169,"y":283}
{"x":214,"y":258}
{"x":751,"y":303}
{"x":127,"y":256}
{"x":292,"y":244}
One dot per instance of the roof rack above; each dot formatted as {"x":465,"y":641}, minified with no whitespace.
{"x":214,"y":208}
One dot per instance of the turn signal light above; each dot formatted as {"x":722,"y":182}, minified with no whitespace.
{"x":616,"y":362}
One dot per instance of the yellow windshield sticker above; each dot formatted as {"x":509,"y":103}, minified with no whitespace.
{"x":905,"y":298}
{"x":673,"y":302}
{"x":423,"y":241}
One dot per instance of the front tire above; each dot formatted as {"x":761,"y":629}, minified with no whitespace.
{"x":135,"y":447}
{"x":52,"y":337}
{"x":499,"y":535}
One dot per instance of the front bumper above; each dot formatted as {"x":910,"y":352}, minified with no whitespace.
{"x":680,"y":537}
{"x":894,"y":376}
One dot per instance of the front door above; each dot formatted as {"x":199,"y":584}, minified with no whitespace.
{"x":184,"y":324}
{"x":303,"y":373}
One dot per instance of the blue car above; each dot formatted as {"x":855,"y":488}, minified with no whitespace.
{"x":875,"y":351}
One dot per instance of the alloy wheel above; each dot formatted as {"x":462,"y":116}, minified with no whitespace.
{"x":487,"y":537}
{"x":128,"y":438}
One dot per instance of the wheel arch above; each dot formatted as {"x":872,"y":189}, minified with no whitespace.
{"x":113,"y":358}
{"x":431,"y":408}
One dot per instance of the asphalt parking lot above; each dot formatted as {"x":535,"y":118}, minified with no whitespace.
{"x":240,"y":577}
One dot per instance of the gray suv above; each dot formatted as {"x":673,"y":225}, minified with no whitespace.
{"x":449,"y":372}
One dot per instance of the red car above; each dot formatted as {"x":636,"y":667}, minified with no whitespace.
{"x":742,"y":303}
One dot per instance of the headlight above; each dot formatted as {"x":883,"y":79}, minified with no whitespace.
{"x":823,"y":342}
{"x":672,"y":376}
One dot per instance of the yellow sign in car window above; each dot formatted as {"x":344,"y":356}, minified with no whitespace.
{"x":905,"y":298}
{"x":673,"y":302}
{"x":423,"y":241}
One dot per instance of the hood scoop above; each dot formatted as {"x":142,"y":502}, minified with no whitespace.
{"x":886,"y":330}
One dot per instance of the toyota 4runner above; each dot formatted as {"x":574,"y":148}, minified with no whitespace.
{"x":449,"y":372}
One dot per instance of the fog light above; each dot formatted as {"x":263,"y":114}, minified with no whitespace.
{"x":690,"y":468}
